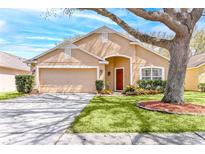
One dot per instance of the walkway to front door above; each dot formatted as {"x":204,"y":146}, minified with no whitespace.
{"x":119,"y":78}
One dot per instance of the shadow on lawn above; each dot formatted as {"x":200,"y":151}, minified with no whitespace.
{"x":120,"y":114}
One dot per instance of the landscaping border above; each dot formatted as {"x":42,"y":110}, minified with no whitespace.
{"x":167,"y":111}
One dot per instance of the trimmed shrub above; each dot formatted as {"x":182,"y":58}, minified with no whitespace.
{"x":141,"y":91}
{"x":158,"y":85}
{"x":99,"y":84}
{"x":106,"y":91}
{"x":24,"y":83}
{"x":129,"y":88}
{"x":202,"y":87}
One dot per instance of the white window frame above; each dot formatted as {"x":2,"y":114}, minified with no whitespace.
{"x":104,"y":36}
{"x":151,"y":67}
{"x":67,"y":52}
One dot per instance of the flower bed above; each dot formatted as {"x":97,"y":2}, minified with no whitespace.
{"x":186,"y":108}
{"x":131,"y":90}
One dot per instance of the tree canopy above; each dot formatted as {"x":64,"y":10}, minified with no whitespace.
{"x":197,"y":44}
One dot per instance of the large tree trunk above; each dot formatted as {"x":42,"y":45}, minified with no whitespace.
{"x":179,"y":56}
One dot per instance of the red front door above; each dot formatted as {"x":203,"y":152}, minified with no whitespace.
{"x":119,"y":79}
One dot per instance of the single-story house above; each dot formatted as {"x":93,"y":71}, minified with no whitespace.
{"x":103,"y":54}
{"x":10,"y":66}
{"x":196,"y":72}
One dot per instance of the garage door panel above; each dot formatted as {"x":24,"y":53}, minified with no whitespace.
{"x":67,"y":80}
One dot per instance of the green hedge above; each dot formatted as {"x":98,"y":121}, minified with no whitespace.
{"x":202,"y":87}
{"x":99,"y":84}
{"x":132,"y":90}
{"x":24,"y":83}
{"x":152,"y":84}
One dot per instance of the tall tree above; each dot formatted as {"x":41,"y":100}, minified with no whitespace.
{"x":198,"y":41}
{"x":180,"y":21}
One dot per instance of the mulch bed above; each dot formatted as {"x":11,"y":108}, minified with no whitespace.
{"x":186,"y":108}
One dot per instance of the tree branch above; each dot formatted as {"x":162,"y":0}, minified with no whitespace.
{"x":184,"y":10}
{"x":162,"y":17}
{"x":196,"y":13}
{"x":164,"y":43}
{"x":170,"y":11}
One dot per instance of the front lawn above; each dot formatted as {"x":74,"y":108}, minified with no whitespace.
{"x":9,"y":95}
{"x":120,"y":114}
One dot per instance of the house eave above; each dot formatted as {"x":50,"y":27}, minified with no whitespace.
{"x":196,"y":66}
{"x":30,"y":61}
{"x":103,"y":62}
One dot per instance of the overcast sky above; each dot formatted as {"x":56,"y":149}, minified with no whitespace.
{"x":26,"y":33}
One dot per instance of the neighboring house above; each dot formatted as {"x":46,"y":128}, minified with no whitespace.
{"x":10,"y":66}
{"x":196,"y":72}
{"x":103,"y":54}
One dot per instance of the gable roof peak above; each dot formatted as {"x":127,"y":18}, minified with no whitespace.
{"x":104,"y":29}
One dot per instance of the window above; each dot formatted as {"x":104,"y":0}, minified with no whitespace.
{"x":104,"y":36}
{"x":67,"y":52}
{"x":151,"y":73}
{"x":156,"y":74}
{"x":146,"y":74}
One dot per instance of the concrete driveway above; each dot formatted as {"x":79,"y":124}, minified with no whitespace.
{"x":39,"y":119}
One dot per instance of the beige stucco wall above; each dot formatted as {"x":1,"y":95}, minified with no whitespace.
{"x":7,"y":78}
{"x":114,"y":46}
{"x":143,"y":58}
{"x":57,"y":57}
{"x":201,"y":77}
{"x":117,"y":62}
{"x":193,"y":77}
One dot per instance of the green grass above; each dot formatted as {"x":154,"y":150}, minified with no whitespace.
{"x":9,"y":95}
{"x":120,"y":114}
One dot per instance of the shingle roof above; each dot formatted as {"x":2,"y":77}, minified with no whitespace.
{"x":196,"y":60}
{"x":11,"y":61}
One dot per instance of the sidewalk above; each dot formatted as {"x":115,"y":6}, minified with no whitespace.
{"x":133,"y":139}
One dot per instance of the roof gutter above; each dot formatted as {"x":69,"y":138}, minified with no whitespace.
{"x":196,"y":66}
{"x":30,"y":61}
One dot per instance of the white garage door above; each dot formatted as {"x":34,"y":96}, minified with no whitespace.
{"x":67,"y":80}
